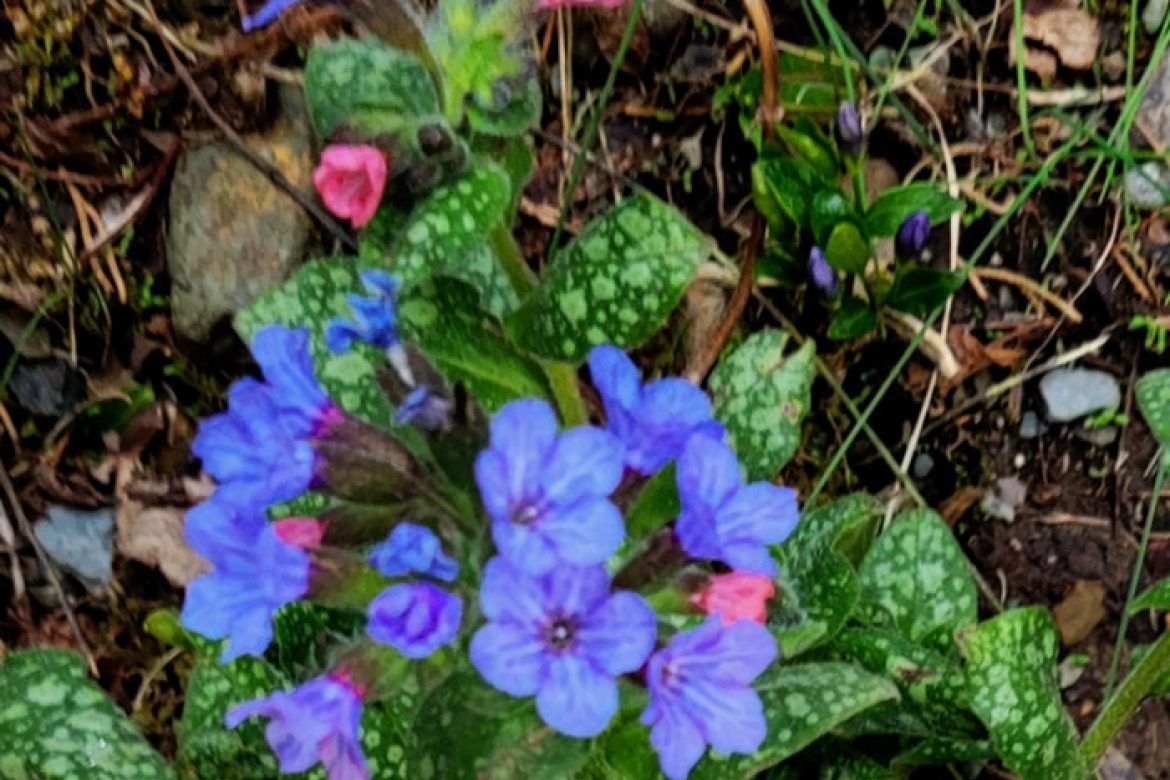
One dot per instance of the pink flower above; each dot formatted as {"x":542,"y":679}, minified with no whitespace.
{"x":542,"y":5}
{"x":736,"y":596}
{"x":350,"y":179}
{"x":303,"y":532}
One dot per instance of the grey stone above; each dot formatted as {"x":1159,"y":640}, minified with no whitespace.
{"x":80,"y":542}
{"x":923,"y":465}
{"x":1098,"y":437}
{"x":1153,"y":14}
{"x":1029,"y":425}
{"x":1142,"y":185}
{"x":1002,"y":502}
{"x":232,"y":234}
{"x":1072,"y":393}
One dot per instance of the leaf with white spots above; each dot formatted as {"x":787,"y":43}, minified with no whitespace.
{"x":474,"y":731}
{"x":1012,"y":684}
{"x":802,"y":702}
{"x":372,"y":89}
{"x":1153,"y":398}
{"x":848,"y":524}
{"x":55,"y":724}
{"x":940,"y":751}
{"x":855,"y":767}
{"x":447,"y":233}
{"x":934,"y":688}
{"x":442,"y":316}
{"x":762,"y":396}
{"x":615,"y":283}
{"x":915,"y":579}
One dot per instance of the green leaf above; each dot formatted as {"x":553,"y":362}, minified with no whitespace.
{"x":915,"y":579}
{"x":656,"y":505}
{"x":302,"y":635}
{"x":447,"y":234}
{"x":854,"y":318}
{"x":372,"y":88}
{"x":1153,"y":397}
{"x":55,"y":724}
{"x":819,"y":591}
{"x":808,"y":144}
{"x":933,"y":687}
{"x":828,"y":208}
{"x":1011,"y":679}
{"x":919,"y":291}
{"x":442,"y":316}
{"x":802,"y":703}
{"x":616,"y":283}
{"x":474,"y":731}
{"x":208,"y":748}
{"x":847,"y":250}
{"x":847,"y":524}
{"x":1157,"y":596}
{"x":762,"y":397}
{"x":783,"y":188}
{"x":940,"y":751}
{"x":515,"y":115}
{"x":855,"y":767}
{"x":313,"y":296}
{"x":893,"y":206}
{"x":472,"y":44}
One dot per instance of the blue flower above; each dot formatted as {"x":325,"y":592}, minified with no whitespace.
{"x":413,"y":549}
{"x":285,"y":357}
{"x":316,"y":723}
{"x":653,"y":421}
{"x":822,"y":274}
{"x":415,"y":618}
{"x":562,"y":637}
{"x":723,"y":519}
{"x":700,"y":693}
{"x":250,"y":451}
{"x":377,"y":317}
{"x":547,"y":494}
{"x":266,"y":15}
{"x":425,"y":408}
{"x":254,"y":574}
{"x":912,"y":234}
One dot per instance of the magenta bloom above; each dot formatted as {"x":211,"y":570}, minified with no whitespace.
{"x":315,"y":723}
{"x":350,"y":179}
{"x":563,"y":638}
{"x":700,"y":693}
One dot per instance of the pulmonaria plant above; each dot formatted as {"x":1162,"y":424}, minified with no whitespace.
{"x":551,"y":624}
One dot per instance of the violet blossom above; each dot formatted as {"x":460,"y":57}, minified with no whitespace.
{"x":415,"y":618}
{"x":413,"y":549}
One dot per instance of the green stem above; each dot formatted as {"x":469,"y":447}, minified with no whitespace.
{"x":562,"y":380}
{"x":1134,"y":578}
{"x":522,"y":278}
{"x":595,"y":121}
{"x":1021,"y":78}
{"x":1131,"y":693}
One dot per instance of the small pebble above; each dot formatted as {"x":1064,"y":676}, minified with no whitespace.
{"x":1072,"y":393}
{"x":1098,"y":437}
{"x":1029,"y":425}
{"x":923,"y":465}
{"x":1140,"y":186}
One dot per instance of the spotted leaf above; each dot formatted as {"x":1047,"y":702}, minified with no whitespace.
{"x":446,"y":233}
{"x":616,"y":283}
{"x":762,"y":397}
{"x":942,"y":750}
{"x":1153,"y":397}
{"x":55,"y":724}
{"x":802,"y":702}
{"x":1012,"y":685}
{"x":915,"y":580}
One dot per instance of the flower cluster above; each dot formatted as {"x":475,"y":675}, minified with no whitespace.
{"x":554,"y":627}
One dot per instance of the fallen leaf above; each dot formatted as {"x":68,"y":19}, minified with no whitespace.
{"x":1080,"y":611}
{"x":154,"y":536}
{"x":1069,"y":36}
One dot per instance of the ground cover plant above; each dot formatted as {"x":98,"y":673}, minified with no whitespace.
{"x":472,"y":516}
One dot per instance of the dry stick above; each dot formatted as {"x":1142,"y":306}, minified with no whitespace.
{"x":268,"y":169}
{"x":47,"y":566}
{"x":770,"y":113}
{"x":8,"y":540}
{"x":1030,"y":288}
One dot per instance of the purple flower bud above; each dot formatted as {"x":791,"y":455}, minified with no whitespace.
{"x":425,"y":408}
{"x":415,"y":618}
{"x":849,"y":128}
{"x":821,"y":273}
{"x":912,"y":234}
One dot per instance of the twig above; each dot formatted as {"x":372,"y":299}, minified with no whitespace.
{"x":47,"y":566}
{"x":1030,"y":287}
{"x":933,"y":345}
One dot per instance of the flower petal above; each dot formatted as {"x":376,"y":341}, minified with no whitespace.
{"x":509,"y":658}
{"x":737,"y":724}
{"x":522,"y":433}
{"x":526,"y":547}
{"x":750,"y":556}
{"x":708,"y":473}
{"x":615,"y":376}
{"x":576,"y":698}
{"x":586,"y":534}
{"x":760,"y":511}
{"x":676,"y":739}
{"x":619,"y":635}
{"x":584,"y":462}
{"x":505,"y":593}
{"x":695,"y":530}
{"x":733,"y":655}
{"x":287,"y":362}
{"x":574,"y":590}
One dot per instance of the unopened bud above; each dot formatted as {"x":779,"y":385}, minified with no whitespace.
{"x":912,"y":235}
{"x":849,"y":129}
{"x":821,"y":273}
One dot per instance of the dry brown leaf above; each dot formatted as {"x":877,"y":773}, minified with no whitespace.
{"x":154,"y":536}
{"x":1080,"y":611}
{"x":1069,"y":36}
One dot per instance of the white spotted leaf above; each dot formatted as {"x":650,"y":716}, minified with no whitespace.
{"x":615,"y":283}
{"x":1153,"y":397}
{"x":802,"y":702}
{"x":1012,"y":685}
{"x":915,"y":580}
{"x":446,"y":233}
{"x":55,"y":724}
{"x":762,"y":396}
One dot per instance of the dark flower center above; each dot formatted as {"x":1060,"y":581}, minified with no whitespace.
{"x":559,"y":633}
{"x":525,"y":514}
